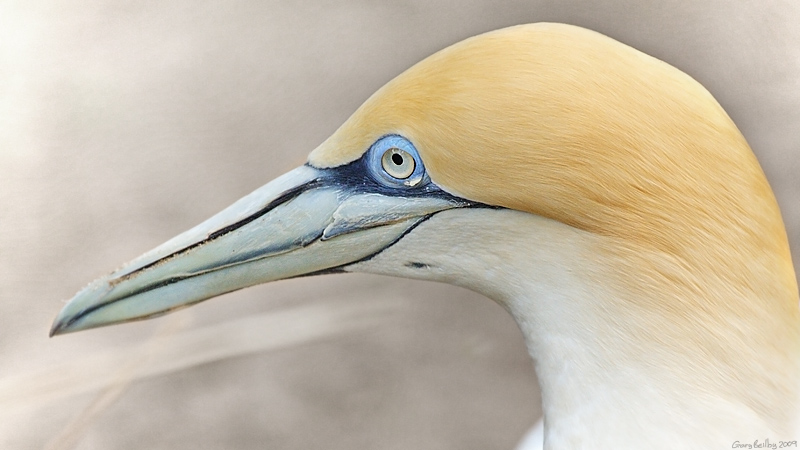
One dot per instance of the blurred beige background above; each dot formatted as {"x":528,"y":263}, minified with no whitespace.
{"x":123,"y":123}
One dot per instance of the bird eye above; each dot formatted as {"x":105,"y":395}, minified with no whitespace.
{"x":398,"y":163}
{"x":393,"y":161}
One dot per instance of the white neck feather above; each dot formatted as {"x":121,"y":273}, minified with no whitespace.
{"x":606,"y":383}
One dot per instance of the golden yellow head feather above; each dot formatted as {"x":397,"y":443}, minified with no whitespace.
{"x":571,"y":125}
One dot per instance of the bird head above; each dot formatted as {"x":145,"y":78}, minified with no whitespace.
{"x":526,"y":138}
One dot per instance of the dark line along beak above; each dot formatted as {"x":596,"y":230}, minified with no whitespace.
{"x":306,"y":221}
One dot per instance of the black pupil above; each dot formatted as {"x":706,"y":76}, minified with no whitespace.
{"x":397,"y":159}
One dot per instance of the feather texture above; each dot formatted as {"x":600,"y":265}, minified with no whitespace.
{"x":570,"y":125}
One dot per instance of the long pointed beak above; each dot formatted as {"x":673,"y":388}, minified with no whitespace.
{"x":305,"y":222}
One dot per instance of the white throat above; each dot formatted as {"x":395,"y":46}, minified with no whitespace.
{"x":606,"y":381}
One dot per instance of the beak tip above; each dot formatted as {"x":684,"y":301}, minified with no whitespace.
{"x":61,"y":325}
{"x":57,"y":328}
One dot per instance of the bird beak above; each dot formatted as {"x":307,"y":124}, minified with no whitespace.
{"x":308,"y":221}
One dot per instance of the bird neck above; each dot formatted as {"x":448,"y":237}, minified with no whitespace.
{"x":626,"y":355}
{"x":633,"y":348}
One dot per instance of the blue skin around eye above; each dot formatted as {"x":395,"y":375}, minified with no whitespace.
{"x":366,"y":175}
{"x":373,"y":160}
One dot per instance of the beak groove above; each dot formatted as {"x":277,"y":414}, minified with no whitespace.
{"x":287,"y":196}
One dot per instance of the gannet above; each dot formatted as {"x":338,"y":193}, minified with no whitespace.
{"x":603,"y":197}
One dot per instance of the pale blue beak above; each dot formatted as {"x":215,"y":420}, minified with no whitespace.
{"x":308,"y":221}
